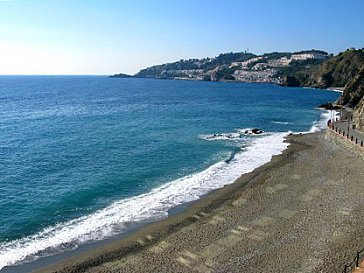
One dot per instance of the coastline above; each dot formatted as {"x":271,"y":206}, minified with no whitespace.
{"x":277,"y":145}
{"x":332,"y":89}
{"x":337,"y":89}
{"x":65,"y":235}
{"x":153,"y":237}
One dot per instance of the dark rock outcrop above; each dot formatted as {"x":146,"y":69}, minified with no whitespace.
{"x":336,"y":71}
{"x":354,"y":90}
{"x":329,"y":106}
{"x":121,"y":75}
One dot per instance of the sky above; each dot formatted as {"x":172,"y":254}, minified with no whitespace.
{"x":102,"y":37}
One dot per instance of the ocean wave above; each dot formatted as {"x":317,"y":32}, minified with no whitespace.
{"x":281,"y":122}
{"x":237,"y":135}
{"x":321,"y":123}
{"x":152,"y":205}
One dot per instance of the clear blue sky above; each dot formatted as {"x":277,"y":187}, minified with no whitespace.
{"x":110,"y":36}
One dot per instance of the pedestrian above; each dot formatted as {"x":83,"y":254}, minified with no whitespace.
{"x":348,"y":125}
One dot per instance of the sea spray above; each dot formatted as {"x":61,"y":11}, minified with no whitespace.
{"x":321,"y":123}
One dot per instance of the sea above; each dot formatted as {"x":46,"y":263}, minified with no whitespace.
{"x":85,"y":158}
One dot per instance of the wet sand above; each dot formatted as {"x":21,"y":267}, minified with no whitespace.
{"x":301,"y":212}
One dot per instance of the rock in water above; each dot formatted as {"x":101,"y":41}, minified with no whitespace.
{"x":257,"y":131}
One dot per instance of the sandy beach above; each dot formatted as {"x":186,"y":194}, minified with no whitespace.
{"x":302,"y":212}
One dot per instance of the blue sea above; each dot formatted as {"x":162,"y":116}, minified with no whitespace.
{"x":83,"y":158}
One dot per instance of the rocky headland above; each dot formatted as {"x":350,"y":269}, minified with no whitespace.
{"x":309,"y":68}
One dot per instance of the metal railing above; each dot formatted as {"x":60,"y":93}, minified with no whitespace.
{"x":344,"y":134}
{"x":355,"y":262}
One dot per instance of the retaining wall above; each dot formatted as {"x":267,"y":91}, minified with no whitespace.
{"x":345,"y":142}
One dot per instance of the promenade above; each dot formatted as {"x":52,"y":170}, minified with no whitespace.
{"x":345,"y":129}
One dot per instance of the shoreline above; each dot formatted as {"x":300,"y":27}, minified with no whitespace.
{"x":152,"y":235}
{"x":332,"y":89}
{"x":180,"y":215}
{"x":133,"y":228}
{"x":221,"y":174}
{"x":336,"y":89}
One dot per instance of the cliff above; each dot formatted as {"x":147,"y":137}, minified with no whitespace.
{"x":353,"y":96}
{"x":359,"y":115}
{"x":337,"y":71}
{"x":344,"y":70}
{"x":354,"y":89}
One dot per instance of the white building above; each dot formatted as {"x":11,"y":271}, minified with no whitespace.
{"x":306,"y":56}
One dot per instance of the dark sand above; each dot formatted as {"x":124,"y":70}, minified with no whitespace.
{"x":302,"y":212}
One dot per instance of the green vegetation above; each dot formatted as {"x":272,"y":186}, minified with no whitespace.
{"x":299,"y":73}
{"x":168,"y":70}
{"x":354,"y":90}
{"x":225,"y":74}
{"x":340,"y":70}
{"x":344,"y":70}
{"x":250,"y":65}
{"x":276,"y":55}
{"x":336,"y":71}
{"x":322,"y":71}
{"x":121,"y":75}
{"x":218,"y":68}
{"x":228,"y":58}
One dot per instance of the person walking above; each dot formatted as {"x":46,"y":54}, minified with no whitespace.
{"x":348,"y":125}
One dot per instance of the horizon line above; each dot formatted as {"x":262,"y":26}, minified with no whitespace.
{"x":76,"y":75}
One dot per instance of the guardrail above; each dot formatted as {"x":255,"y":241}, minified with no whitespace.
{"x":345,"y":135}
{"x":355,"y":262}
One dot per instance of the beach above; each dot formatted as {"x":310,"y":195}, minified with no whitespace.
{"x":152,"y":137}
{"x":101,"y":171}
{"x":301,"y":212}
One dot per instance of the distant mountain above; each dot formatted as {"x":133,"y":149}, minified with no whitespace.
{"x":241,"y":66}
{"x":311,"y":68}
{"x":197,"y":69}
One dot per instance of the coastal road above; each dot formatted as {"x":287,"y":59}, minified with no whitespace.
{"x":347,"y":128}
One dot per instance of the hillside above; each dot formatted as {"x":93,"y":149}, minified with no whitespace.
{"x":353,"y":96}
{"x":344,"y":70}
{"x":192,"y":68}
{"x":241,"y":67}
{"x":311,"y":68}
{"x":337,"y":71}
{"x":354,"y":89}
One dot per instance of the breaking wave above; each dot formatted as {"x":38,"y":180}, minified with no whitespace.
{"x":321,"y":123}
{"x":239,"y":134}
{"x":152,"y":205}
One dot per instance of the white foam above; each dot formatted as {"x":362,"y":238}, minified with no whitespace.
{"x":222,"y":136}
{"x":281,"y":122}
{"x":152,"y":205}
{"x":335,"y":90}
{"x":239,"y":134}
{"x":321,"y":124}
